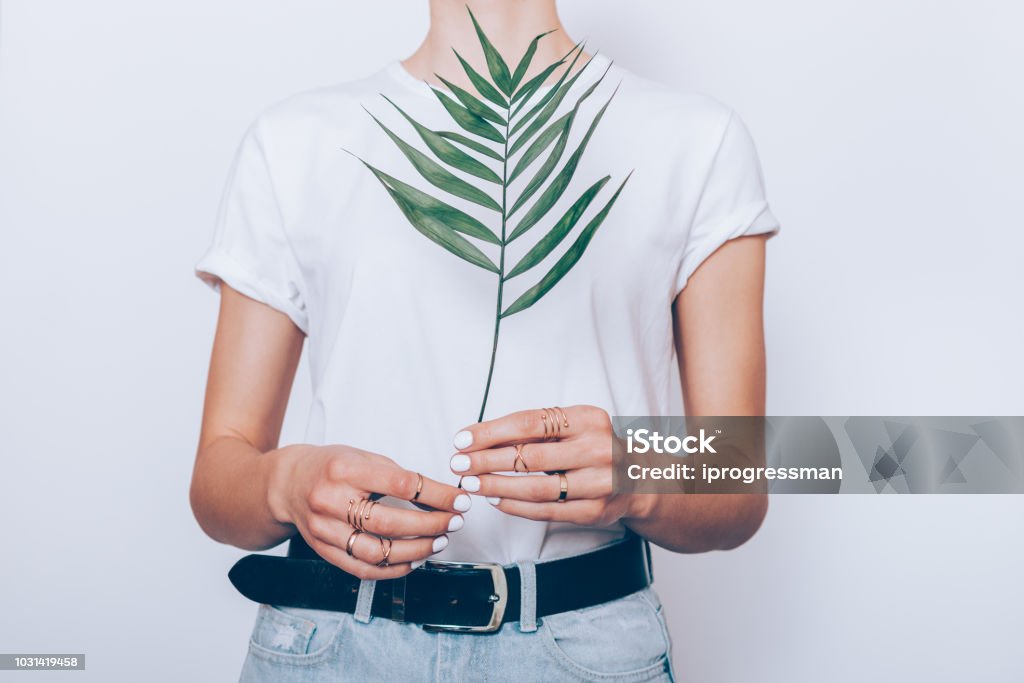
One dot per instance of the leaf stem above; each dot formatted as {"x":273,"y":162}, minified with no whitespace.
{"x":501,"y":260}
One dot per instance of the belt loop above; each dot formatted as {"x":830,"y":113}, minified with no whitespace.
{"x":364,"y":601}
{"x":527,"y":596}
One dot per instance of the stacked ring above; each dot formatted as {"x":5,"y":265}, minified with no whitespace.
{"x":557,"y":419}
{"x":361,"y":514}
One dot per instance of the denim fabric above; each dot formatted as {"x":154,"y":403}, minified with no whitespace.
{"x":621,"y":640}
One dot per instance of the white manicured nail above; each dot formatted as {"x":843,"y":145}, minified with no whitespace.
{"x":455,"y":523}
{"x":440,"y":543}
{"x":493,"y":501}
{"x":471,"y":483}
{"x":460,"y":462}
{"x":463,"y":502}
{"x":417,"y":564}
{"x":463,"y":439}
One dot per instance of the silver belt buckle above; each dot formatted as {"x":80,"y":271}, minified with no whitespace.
{"x":499,"y":598}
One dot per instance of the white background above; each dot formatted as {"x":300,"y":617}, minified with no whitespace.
{"x":889,"y":132}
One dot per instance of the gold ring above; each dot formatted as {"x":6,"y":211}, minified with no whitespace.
{"x":552,"y":427}
{"x":385,"y":548}
{"x":351,"y":542}
{"x":354,"y":520}
{"x":519,"y":460}
{"x":565,"y":420}
{"x":360,"y":510}
{"x":366,"y":513}
{"x":419,"y":486}
{"x":348,"y":513}
{"x":563,"y":483}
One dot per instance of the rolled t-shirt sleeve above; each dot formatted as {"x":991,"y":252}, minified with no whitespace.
{"x":732,"y":202}
{"x":250,"y":250}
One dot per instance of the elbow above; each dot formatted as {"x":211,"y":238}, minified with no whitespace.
{"x":197,"y":502}
{"x":203,"y":508}
{"x":748,"y":515}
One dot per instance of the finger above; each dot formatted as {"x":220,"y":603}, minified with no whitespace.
{"x":584,"y":512}
{"x":344,"y":503}
{"x":535,"y":457}
{"x":529,"y":425}
{"x":364,"y":570}
{"x":591,"y":482}
{"x":370,"y":549}
{"x":405,"y":484}
{"x":386,"y":520}
{"x":367,"y":547}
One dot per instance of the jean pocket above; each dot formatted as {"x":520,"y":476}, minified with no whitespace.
{"x":621,"y":640}
{"x":295,"y":635}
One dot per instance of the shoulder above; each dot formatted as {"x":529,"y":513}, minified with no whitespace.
{"x":658,"y":99}
{"x":310,"y":112}
{"x":671,"y":112}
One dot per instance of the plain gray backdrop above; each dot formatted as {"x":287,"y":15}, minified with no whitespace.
{"x":890,"y":136}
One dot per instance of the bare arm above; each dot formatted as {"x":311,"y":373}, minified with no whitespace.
{"x":720,"y":344}
{"x":255,"y":353}
{"x":251,"y":494}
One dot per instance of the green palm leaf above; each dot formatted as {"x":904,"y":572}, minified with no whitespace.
{"x":538,"y":131}
{"x":440,"y":233}
{"x":524,"y":63}
{"x":549,"y":165}
{"x":436,"y":175}
{"x":526,"y":92}
{"x":495,"y":64}
{"x":542,"y":173}
{"x":447,"y":152}
{"x":561,"y":126}
{"x":554,"y":191}
{"x":447,"y":215}
{"x":562,"y":228}
{"x":566,"y":262}
{"x":532,"y":85}
{"x":481,"y":84}
{"x":549,"y":103}
{"x":471,"y":144}
{"x":472,"y":104}
{"x":551,"y":107}
{"x":467,"y":120}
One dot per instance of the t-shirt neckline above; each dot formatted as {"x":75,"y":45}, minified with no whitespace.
{"x":596,"y":66}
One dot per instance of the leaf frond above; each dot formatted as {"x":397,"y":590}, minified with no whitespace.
{"x":437,"y":175}
{"x":566,"y":262}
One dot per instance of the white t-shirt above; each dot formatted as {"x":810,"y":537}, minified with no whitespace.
{"x":400,"y":330}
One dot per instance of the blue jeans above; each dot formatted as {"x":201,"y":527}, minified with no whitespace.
{"x":621,"y":640}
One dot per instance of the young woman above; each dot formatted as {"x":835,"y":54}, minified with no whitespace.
{"x":403,"y":462}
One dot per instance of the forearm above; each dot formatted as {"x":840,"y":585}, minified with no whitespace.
{"x":231,"y":494}
{"x":696,"y":523}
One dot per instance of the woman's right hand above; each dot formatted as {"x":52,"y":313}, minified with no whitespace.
{"x":312,"y":488}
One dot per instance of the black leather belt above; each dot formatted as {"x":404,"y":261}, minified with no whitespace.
{"x":465,"y":597}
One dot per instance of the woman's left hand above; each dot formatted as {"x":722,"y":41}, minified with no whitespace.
{"x":575,"y":441}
